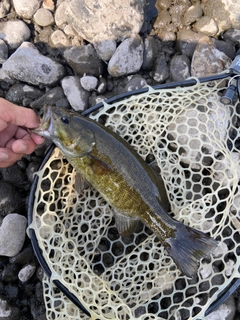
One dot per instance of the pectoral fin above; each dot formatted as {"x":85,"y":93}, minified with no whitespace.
{"x":99,"y":167}
{"x":125,"y":225}
{"x":80,"y":183}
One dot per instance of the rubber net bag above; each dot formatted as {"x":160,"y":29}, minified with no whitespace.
{"x":194,"y":140}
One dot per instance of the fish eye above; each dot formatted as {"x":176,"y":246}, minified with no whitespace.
{"x":65,"y":120}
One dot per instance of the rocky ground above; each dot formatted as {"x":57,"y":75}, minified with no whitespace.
{"x":70,"y":54}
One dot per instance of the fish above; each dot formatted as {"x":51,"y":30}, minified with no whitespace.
{"x":129,"y":185}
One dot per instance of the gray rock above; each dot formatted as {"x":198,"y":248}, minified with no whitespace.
{"x":208,"y":60}
{"x":59,"y":39}
{"x":207,"y":26}
{"x":102,"y":85}
{"x":128,"y":57}
{"x":20,"y":91}
{"x":193,"y":13}
{"x":84,"y":59}
{"x":180,"y":68}
{"x":28,"y":65}
{"x":232,"y":35}
{"x":104,"y":19}
{"x":54,"y":96}
{"x":26,"y":8}
{"x":161,"y":69}
{"x":4,"y":8}
{"x":105,"y":49}
{"x":187,"y":41}
{"x":43,"y":17}
{"x":15,"y":176}
{"x":10,"y":199}
{"x":149,"y":53}
{"x":3,"y":51}
{"x":89,"y":83}
{"x":224,"y":12}
{"x":225,"y":47}
{"x":225,"y":311}
{"x":26,"y":272}
{"x":4,"y":77}
{"x":135,"y":83}
{"x":12,"y":234}
{"x":76,"y":95}
{"x":8,"y":312}
{"x":14,"y":33}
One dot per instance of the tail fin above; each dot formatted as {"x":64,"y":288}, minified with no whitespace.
{"x":188,"y":247}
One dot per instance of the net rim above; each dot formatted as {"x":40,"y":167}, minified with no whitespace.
{"x":31,"y":232}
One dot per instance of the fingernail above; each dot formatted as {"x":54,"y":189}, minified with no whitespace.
{"x":3,"y":156}
{"x":23,"y":147}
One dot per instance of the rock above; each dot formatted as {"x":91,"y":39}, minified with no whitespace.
{"x":43,"y":17}
{"x":48,"y":4}
{"x":102,"y":85}
{"x":135,"y":83}
{"x":89,"y":83}
{"x":12,"y":234}
{"x":177,"y":12}
{"x":14,"y":33}
{"x":26,"y":272}
{"x":207,"y":26}
{"x":84,"y":59}
{"x":10,"y":199}
{"x":3,"y":51}
{"x":10,"y":273}
{"x":15,"y":176}
{"x":232,"y":35}
{"x":163,"y":4}
{"x":4,"y":8}
{"x":20,"y":92}
{"x":24,"y":257}
{"x":225,"y":47}
{"x":76,"y":95}
{"x":28,"y":65}
{"x":128,"y":57}
{"x":60,"y":16}
{"x":26,"y":8}
{"x":180,"y":68}
{"x":105,"y":49}
{"x":225,"y":311}
{"x":54,"y":96}
{"x":208,"y":60}
{"x":193,"y":13}
{"x":115,"y":20}
{"x":161,"y":70}
{"x":187,"y":41}
{"x":59,"y":40}
{"x":224,"y":12}
{"x":8,"y":312}
{"x":163,"y":20}
{"x":149,"y":53}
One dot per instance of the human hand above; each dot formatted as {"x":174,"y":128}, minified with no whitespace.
{"x":15,"y":139}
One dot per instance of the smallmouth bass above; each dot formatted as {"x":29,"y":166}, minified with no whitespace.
{"x":126,"y":182}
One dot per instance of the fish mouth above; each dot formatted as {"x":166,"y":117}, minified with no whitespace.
{"x":45,"y":126}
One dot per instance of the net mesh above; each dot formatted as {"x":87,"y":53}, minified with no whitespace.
{"x":194,"y":140}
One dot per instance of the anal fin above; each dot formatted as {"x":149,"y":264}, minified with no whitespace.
{"x":125,"y":225}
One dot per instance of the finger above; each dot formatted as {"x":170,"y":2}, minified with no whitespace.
{"x":8,"y":157}
{"x":24,"y":146}
{"x":20,"y":116}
